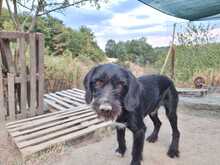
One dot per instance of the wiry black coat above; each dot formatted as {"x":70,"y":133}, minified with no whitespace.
{"x":138,"y":97}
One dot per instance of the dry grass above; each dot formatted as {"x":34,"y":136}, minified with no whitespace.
{"x":65,"y":67}
{"x":74,"y":70}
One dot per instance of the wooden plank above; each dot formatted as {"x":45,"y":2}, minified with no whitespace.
{"x":70,"y":97}
{"x":13,"y":35}
{"x":58,"y":101}
{"x":74,"y":98}
{"x":44,"y":121}
{"x":54,"y":105}
{"x":191,"y":90}
{"x":18,"y":79}
{"x":79,"y":90}
{"x":47,"y":116}
{"x":2,"y":101}
{"x":79,"y":96}
{"x":62,"y":98}
{"x":83,"y":107}
{"x":50,"y":125}
{"x":7,"y":55}
{"x":33,"y":74}
{"x":21,"y":136}
{"x":63,"y":132}
{"x":11,"y":96}
{"x":41,"y":73}
{"x":23,"y":94}
{"x":32,"y":149}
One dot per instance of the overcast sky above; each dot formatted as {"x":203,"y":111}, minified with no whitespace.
{"x":122,"y":20}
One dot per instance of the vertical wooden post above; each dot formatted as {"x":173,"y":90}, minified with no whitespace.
{"x":2,"y":101}
{"x":173,"y":59}
{"x":170,"y":49}
{"x":11,"y":95}
{"x":32,"y":74}
{"x":1,"y":3}
{"x":23,"y":86}
{"x":5,"y":44}
{"x":40,"y":73}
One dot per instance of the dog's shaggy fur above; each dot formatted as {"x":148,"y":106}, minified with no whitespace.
{"x":116,"y":94}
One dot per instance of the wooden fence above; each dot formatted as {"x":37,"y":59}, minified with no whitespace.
{"x":21,"y":75}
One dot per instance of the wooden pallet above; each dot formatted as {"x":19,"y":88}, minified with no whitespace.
{"x":192,"y":92}
{"x":64,"y":100}
{"x":41,"y":132}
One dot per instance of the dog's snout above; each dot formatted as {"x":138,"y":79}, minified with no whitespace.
{"x":105,"y":107}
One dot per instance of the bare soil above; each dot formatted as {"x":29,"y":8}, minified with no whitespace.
{"x":199,"y":145}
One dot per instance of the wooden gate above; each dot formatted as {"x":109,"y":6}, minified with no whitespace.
{"x":21,"y":75}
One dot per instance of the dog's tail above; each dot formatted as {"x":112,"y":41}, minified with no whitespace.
{"x":172,"y":98}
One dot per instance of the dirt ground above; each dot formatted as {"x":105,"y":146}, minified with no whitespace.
{"x":199,"y":145}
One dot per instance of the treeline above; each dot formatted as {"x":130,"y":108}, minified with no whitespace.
{"x":137,"y":51}
{"x":59,"y":39}
{"x":196,"y":52}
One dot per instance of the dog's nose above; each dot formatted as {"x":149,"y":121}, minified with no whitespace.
{"x":105,"y":107}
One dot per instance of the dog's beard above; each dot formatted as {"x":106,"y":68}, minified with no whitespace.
{"x":108,"y":115}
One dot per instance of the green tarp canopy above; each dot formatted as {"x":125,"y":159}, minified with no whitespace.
{"x":193,"y":10}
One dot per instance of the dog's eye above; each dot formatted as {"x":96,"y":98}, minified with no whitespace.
{"x":99,"y":83}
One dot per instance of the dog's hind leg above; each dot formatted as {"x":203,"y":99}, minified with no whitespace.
{"x":157,"y":123}
{"x":171,"y":107}
{"x":121,"y":142}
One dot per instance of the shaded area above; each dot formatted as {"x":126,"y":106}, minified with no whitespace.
{"x":190,"y":10}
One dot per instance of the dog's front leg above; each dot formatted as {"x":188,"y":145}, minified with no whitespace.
{"x":138,"y":131}
{"x":121,"y":141}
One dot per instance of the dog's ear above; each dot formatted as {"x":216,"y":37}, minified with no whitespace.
{"x":87,"y":85}
{"x":132,"y":98}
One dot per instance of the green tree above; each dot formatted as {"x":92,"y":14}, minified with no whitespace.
{"x":40,"y":8}
{"x":138,"y":51}
{"x":121,"y":51}
{"x":110,"y":48}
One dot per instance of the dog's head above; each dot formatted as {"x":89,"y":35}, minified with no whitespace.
{"x":111,"y":88}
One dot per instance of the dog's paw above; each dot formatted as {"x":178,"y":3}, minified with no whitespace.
{"x":137,"y":163}
{"x":152,"y":138}
{"x":120,"y":151}
{"x":173,"y":152}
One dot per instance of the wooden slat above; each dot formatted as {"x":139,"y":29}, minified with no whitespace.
{"x":21,"y":136}
{"x":11,"y":96}
{"x":43,"y":122}
{"x":79,"y":90}
{"x":70,"y":97}
{"x":64,"y":99}
{"x":41,"y":73}
{"x":50,"y":125}
{"x":54,"y":105}
{"x":2,"y":101}
{"x":56,"y":134}
{"x":18,"y":79}
{"x":32,"y":149}
{"x":73,"y":110}
{"x":58,"y":101}
{"x":23,"y":77}
{"x":7,"y":54}
{"x":13,"y":35}
{"x":73,"y":97}
{"x":33,"y":74}
{"x":79,"y":96}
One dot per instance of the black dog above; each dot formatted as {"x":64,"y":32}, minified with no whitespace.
{"x":116,"y":94}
